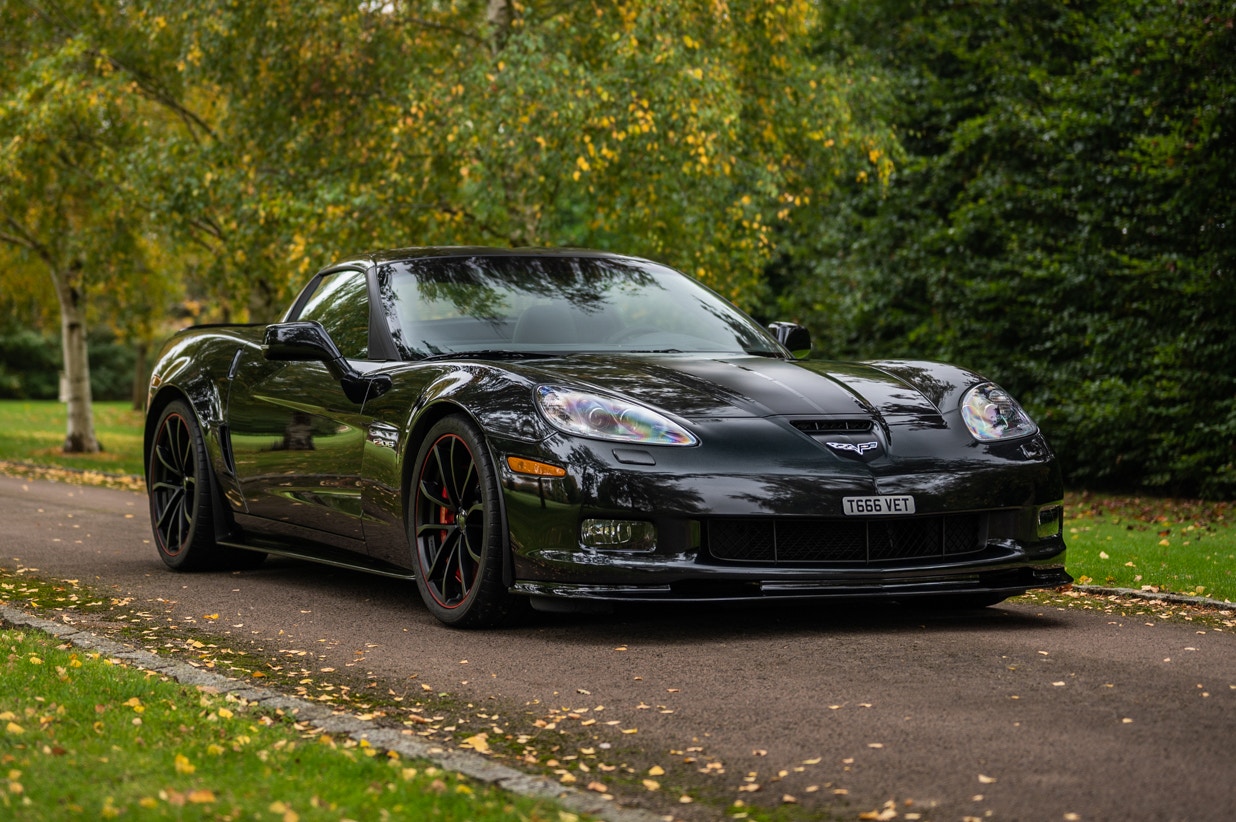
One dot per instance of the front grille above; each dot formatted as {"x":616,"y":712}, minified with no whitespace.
{"x":843,"y":541}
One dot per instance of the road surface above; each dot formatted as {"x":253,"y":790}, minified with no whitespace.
{"x":1019,"y":712}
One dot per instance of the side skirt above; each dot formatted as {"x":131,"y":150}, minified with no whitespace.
{"x":354,"y":562}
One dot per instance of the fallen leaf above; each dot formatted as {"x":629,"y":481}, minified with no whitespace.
{"x":478,"y":743}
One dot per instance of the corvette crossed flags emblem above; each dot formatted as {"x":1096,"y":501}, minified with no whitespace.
{"x":858,"y":448}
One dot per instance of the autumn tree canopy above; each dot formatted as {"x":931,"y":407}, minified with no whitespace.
{"x":242,"y":145}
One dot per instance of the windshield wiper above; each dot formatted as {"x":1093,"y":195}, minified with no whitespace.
{"x":490,"y":354}
{"x":650,"y":351}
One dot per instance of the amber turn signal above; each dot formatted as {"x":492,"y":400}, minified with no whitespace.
{"x":537,"y":469}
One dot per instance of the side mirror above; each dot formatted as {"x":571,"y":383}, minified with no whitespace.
{"x":309,"y":342}
{"x":299,"y":342}
{"x":794,"y":337}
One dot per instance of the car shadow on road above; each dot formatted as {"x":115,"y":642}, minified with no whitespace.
{"x":686,"y":622}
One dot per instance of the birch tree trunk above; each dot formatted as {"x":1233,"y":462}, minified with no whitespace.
{"x":79,"y":436}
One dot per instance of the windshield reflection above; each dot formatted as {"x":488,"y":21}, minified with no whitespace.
{"x":557,"y":305}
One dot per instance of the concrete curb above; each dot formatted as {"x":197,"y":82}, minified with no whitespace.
{"x":1158,"y":596}
{"x":469,"y":764}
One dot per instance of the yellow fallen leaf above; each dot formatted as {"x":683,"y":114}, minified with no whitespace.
{"x":201,"y":797}
{"x":478,"y":743}
{"x":656,"y":770}
{"x":183,"y":765}
{"x":14,"y":728}
{"x":652,"y":784}
{"x":986,"y":780}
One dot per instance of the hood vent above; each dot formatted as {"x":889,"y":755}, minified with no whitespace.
{"x":823,"y":428}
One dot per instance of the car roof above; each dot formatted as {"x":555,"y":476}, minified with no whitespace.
{"x":421,"y":252}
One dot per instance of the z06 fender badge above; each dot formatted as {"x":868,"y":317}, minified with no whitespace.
{"x":859,"y":448}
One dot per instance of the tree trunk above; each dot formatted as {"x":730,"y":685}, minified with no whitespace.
{"x":79,"y":436}
{"x":140,"y":377}
{"x":499,"y":15}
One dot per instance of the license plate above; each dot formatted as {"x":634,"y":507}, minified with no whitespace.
{"x":882,"y":506}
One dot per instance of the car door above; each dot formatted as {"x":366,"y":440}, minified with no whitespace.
{"x":296,"y":440}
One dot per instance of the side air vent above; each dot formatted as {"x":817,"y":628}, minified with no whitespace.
{"x":819,"y":428}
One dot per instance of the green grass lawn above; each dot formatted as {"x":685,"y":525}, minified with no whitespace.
{"x":33,"y":431}
{"x":1160,"y":544}
{"x":83,"y":738}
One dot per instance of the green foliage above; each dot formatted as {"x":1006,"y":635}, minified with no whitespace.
{"x":684,"y":131}
{"x":30,"y":366}
{"x":1063,"y":222}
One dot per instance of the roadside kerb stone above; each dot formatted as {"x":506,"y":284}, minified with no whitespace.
{"x":469,"y":764}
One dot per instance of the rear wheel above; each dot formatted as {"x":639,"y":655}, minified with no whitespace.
{"x":457,"y":527}
{"x":182,"y":497}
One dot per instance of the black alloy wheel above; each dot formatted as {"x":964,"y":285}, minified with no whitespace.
{"x":180,"y":497}
{"x":457,"y":527}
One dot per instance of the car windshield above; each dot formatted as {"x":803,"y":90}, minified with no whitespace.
{"x":520,"y":304}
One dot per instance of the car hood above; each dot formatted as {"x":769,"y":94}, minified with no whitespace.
{"x":699,"y":387}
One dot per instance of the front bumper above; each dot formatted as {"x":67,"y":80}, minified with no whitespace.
{"x":725,"y":534}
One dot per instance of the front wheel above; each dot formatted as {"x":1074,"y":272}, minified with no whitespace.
{"x":457,"y":527}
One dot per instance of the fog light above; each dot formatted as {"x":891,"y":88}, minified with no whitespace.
{"x":1051,"y":521}
{"x":618,"y":535}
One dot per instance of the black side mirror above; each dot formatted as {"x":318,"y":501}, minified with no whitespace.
{"x":308,"y":342}
{"x":794,"y":337}
{"x":299,"y":342}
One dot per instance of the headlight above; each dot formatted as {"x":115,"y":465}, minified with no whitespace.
{"x":608,"y":418}
{"x":991,"y":414}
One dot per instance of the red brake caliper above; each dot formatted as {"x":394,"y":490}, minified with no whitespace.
{"x":447,"y":517}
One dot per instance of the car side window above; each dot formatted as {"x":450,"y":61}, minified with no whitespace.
{"x":340,"y":302}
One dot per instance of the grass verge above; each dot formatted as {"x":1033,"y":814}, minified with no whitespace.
{"x":82,"y":736}
{"x":1176,"y":546}
{"x":32,"y":431}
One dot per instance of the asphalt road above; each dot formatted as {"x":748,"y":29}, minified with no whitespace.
{"x":1020,"y":712}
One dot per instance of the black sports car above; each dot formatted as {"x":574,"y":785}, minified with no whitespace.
{"x":574,"y":427}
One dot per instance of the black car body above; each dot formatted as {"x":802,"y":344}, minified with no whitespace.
{"x":573,"y":427}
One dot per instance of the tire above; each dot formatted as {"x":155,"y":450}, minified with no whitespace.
{"x":182,"y":497}
{"x":457,"y":526}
